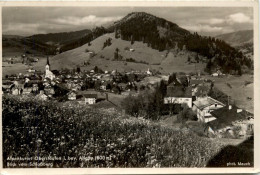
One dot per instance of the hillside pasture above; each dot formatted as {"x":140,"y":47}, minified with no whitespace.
{"x":144,"y":57}
{"x":240,"y":89}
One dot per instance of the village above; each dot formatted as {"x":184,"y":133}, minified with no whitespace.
{"x":94,"y":86}
{"x":129,"y":86}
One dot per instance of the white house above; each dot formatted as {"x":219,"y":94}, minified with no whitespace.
{"x":148,"y":72}
{"x":90,"y":98}
{"x":204,"y":106}
{"x":42,"y":96}
{"x":72,"y":95}
{"x":31,"y":70}
{"x":179,"y":95}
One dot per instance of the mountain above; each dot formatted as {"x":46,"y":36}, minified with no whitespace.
{"x":43,"y":44}
{"x":17,"y":45}
{"x":162,"y":35}
{"x":136,"y":56}
{"x":241,"y":40}
{"x":237,"y":38}
{"x":60,"y":38}
{"x":140,"y":41}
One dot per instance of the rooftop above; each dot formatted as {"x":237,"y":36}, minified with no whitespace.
{"x":179,"y":91}
{"x":226,"y":116}
{"x":201,"y":103}
{"x":90,"y":95}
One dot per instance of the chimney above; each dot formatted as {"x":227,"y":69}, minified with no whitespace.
{"x":229,"y":107}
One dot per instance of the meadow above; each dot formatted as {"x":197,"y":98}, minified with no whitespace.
{"x":96,"y":138}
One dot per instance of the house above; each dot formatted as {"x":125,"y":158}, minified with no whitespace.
{"x":49,"y":91}
{"x":16,"y":91}
{"x":42,"y":96}
{"x":148,"y":72}
{"x":122,"y":86}
{"x":6,"y":86}
{"x":196,"y":82}
{"x":214,"y":74}
{"x":17,"y":88}
{"x":27,"y":90}
{"x":35,"y":87}
{"x":76,"y":87}
{"x":229,"y":117}
{"x":204,"y":106}
{"x":103,"y":87}
{"x":179,"y":95}
{"x":90,"y":98}
{"x":31,"y":70}
{"x":72,"y":95}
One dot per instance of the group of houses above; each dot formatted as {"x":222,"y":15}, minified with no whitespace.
{"x":217,"y":116}
{"x":64,"y":84}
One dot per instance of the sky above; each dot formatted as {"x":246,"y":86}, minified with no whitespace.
{"x":210,"y":21}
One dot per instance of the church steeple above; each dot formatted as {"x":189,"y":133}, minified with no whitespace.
{"x":47,"y":66}
{"x":48,"y":63}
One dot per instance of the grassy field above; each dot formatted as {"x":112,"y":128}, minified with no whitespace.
{"x":17,"y":68}
{"x":238,"y":90}
{"x":162,"y":61}
{"x":46,"y":129}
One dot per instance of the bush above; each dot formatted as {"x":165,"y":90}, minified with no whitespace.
{"x":186,"y":114}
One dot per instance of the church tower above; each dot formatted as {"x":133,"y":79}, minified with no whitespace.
{"x":48,"y":73}
{"x":47,"y":67}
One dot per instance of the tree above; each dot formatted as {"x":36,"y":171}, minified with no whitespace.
{"x":188,"y":59}
{"x":209,"y":66}
{"x":116,"y":55}
{"x":172,"y":78}
{"x":197,"y":58}
{"x":239,"y":70}
{"x":186,"y":114}
{"x":78,"y":69}
{"x":117,"y":50}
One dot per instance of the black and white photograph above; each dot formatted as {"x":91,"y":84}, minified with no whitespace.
{"x":128,"y":86}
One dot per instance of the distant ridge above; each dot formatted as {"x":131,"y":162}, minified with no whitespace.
{"x":237,"y":38}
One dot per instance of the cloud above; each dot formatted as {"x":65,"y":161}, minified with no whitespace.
{"x":239,"y":18}
{"x":24,"y":29}
{"x":216,"y":21}
{"x":208,"y":20}
{"x":87,"y":20}
{"x":203,"y":28}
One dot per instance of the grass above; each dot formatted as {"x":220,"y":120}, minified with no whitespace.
{"x":43,"y":129}
{"x":162,"y":61}
{"x":239,"y":91}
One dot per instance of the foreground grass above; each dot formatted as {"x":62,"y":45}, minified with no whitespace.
{"x":94,"y":138}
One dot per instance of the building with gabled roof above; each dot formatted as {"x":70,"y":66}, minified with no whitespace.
{"x":230,"y":116}
{"x":72,"y":95}
{"x":179,"y":95}
{"x":90,"y":98}
{"x":48,"y":72}
{"x":204,"y":106}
